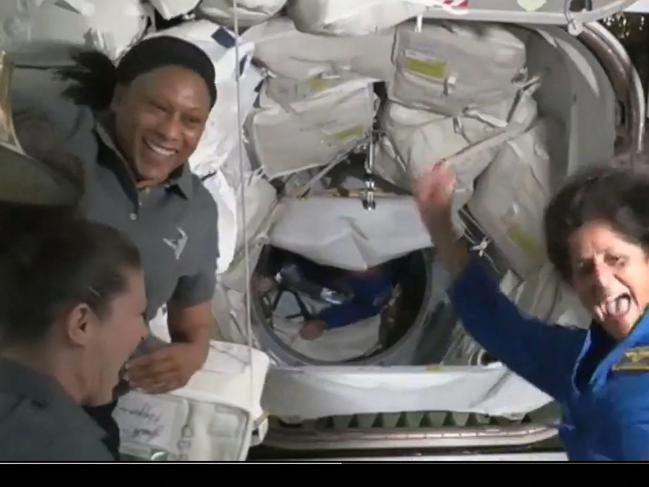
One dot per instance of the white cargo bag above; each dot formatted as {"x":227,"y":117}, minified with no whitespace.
{"x":418,"y":139}
{"x":225,"y":197}
{"x":546,"y":297}
{"x":260,"y":204}
{"x":310,"y":133}
{"x":173,"y":8}
{"x":220,"y":140}
{"x":339,"y":232}
{"x":41,"y":32}
{"x":289,"y":53}
{"x":358,"y":17}
{"x":249,"y":12}
{"x":224,"y":184}
{"x":210,"y":419}
{"x":448,"y":66}
{"x":511,"y":195}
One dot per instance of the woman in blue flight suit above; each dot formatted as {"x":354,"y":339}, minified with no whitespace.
{"x":597,"y":233}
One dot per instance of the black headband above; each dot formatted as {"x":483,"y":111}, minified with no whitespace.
{"x":160,"y":51}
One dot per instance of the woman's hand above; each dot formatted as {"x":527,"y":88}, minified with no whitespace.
{"x":434,"y":195}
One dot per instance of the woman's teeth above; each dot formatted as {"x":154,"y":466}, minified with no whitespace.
{"x":160,"y":150}
{"x":619,"y":306}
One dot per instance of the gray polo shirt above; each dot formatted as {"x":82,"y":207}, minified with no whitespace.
{"x":174,"y":226}
{"x":39,"y":421}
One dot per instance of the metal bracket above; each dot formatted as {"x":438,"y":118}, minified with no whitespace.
{"x":369,"y":193}
{"x":575,"y":26}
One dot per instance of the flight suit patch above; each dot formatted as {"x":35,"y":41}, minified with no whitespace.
{"x":634,"y":360}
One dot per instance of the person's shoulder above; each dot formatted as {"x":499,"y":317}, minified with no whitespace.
{"x":203,"y":200}
{"x":68,"y":447}
{"x":627,"y":386}
{"x":81,"y":448}
{"x":34,"y":431}
{"x":633,"y":361}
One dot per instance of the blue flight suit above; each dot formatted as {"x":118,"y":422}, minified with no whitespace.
{"x":368,"y":296}
{"x":601,"y":385}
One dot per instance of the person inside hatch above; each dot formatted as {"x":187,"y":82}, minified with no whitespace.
{"x":147,"y":114}
{"x":351,"y":296}
{"x":596,"y":230}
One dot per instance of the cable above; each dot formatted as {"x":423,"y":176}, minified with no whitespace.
{"x":242,"y":182}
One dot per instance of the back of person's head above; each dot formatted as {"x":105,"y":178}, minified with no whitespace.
{"x":616,"y":193}
{"x":46,"y":269}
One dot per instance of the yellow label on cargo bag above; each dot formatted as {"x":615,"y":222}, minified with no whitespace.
{"x":424,"y":64}
{"x":525,"y":242}
{"x":349,"y":134}
{"x":318,"y":85}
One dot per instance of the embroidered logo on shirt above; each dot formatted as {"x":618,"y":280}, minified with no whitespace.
{"x":177,"y":244}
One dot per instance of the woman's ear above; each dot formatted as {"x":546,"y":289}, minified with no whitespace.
{"x":80,"y":323}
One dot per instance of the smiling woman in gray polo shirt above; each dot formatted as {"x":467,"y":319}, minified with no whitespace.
{"x":149,"y":113}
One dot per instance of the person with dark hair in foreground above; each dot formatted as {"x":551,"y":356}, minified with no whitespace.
{"x":597,"y":233}
{"x":72,"y":305}
{"x":71,"y":311}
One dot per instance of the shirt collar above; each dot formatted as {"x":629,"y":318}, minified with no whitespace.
{"x":181,"y":179}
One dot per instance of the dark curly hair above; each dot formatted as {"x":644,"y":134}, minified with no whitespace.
{"x":616,"y":193}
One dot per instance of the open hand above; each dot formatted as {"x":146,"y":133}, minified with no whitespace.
{"x":434,"y":195}
{"x":165,"y":369}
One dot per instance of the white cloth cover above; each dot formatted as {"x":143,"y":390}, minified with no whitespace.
{"x":339,"y":232}
{"x":260,"y":199}
{"x":250,"y":12}
{"x":43,"y":31}
{"x":226,"y":201}
{"x":316,"y":392}
{"x":173,"y":8}
{"x":358,"y":17}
